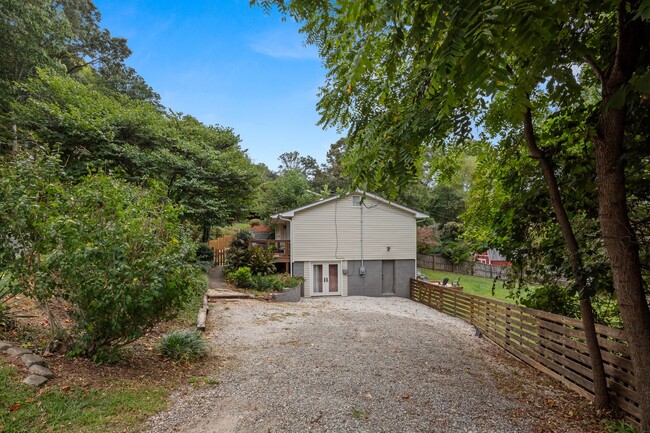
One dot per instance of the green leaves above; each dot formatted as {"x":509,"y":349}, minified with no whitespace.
{"x":118,"y":253}
{"x":201,"y":167}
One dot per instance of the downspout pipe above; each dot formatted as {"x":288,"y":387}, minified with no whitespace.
{"x":362,"y":269}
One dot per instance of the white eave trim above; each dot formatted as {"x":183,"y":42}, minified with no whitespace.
{"x":291,"y":213}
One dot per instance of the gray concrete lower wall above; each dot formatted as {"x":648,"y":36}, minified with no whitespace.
{"x":371,"y":284}
{"x":299,"y":271}
{"x":289,"y":294}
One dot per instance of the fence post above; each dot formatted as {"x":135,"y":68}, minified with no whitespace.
{"x":507,"y":333}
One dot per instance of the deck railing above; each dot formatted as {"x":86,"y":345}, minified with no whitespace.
{"x":281,"y":248}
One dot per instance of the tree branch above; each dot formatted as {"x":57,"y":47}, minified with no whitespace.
{"x":594,"y":66}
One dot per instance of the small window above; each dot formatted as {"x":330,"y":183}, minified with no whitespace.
{"x":356,"y":200}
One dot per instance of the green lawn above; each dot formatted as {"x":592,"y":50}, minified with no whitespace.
{"x":473,"y":285}
{"x":81,"y":410}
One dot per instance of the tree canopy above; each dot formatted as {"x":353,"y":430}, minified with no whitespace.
{"x":406,"y":77}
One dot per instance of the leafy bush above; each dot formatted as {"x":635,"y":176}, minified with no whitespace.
{"x":238,"y":254}
{"x":274,"y":283}
{"x":183,"y":345}
{"x":116,"y":252}
{"x":260,"y":260}
{"x":31,"y":192}
{"x":242,"y":277}
{"x":267,"y":283}
{"x":122,"y":259}
{"x":8,"y":314}
{"x":427,"y":240}
{"x":554,"y":299}
{"x":204,"y":253}
{"x":255,"y":222}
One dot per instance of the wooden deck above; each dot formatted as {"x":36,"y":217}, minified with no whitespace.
{"x":281,"y":248}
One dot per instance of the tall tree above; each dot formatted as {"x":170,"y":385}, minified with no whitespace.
{"x":201,"y":167}
{"x":405,"y":75}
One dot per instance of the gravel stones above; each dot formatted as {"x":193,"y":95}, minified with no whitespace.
{"x":41,"y":371}
{"x":30,"y":359}
{"x":35,"y":380}
{"x":4,"y":345}
{"x":340,"y":365}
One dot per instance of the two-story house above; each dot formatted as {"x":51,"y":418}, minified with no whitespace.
{"x":352,"y":245}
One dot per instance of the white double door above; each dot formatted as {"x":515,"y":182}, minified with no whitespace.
{"x":325,"y":279}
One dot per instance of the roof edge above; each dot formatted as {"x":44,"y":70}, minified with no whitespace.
{"x":291,"y":213}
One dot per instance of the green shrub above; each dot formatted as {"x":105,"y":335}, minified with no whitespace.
{"x":260,"y":260}
{"x":8,"y":314}
{"x":31,"y":193}
{"x":118,"y":253}
{"x":183,"y":345}
{"x":274,"y":283}
{"x":122,"y":259}
{"x":266,"y":283}
{"x":242,"y":277}
{"x":255,"y":222}
{"x":238,"y":253}
{"x":553,"y":299}
{"x":204,"y":253}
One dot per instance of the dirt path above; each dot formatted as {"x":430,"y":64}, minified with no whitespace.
{"x":362,"y":365}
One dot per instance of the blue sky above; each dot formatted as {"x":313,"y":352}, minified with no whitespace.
{"x":229,"y":64}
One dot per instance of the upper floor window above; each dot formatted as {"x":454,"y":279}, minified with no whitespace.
{"x":356,"y":200}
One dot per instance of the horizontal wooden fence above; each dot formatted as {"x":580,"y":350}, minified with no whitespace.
{"x":466,"y":267}
{"x":220,"y":246}
{"x":553,"y":344}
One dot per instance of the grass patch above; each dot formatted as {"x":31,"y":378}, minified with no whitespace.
{"x":232,"y":229}
{"x":22,"y":409}
{"x":198,"y":381}
{"x":473,"y":285}
{"x":359,"y":414}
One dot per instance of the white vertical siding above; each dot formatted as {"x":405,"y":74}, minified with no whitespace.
{"x":307,"y":277}
{"x":332,"y":232}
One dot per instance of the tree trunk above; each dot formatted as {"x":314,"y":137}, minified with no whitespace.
{"x":623,"y":252}
{"x":14,"y":139}
{"x":601,"y":395}
{"x":206,"y":233}
{"x":619,"y":238}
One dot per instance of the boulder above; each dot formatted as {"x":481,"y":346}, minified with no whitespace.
{"x":35,"y":380}
{"x":18,"y":351}
{"x":30,"y":359}
{"x":4,"y":345}
{"x":40,"y":370}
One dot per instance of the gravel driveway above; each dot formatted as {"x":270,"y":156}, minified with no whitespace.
{"x":351,"y":364}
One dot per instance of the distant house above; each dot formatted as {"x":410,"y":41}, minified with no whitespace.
{"x":492,"y":257}
{"x":261,"y":232}
{"x":351,"y":245}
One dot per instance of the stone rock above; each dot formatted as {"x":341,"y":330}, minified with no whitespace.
{"x":4,"y":345}
{"x":18,"y":351}
{"x":35,"y":380}
{"x":41,"y":371}
{"x":30,"y":359}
